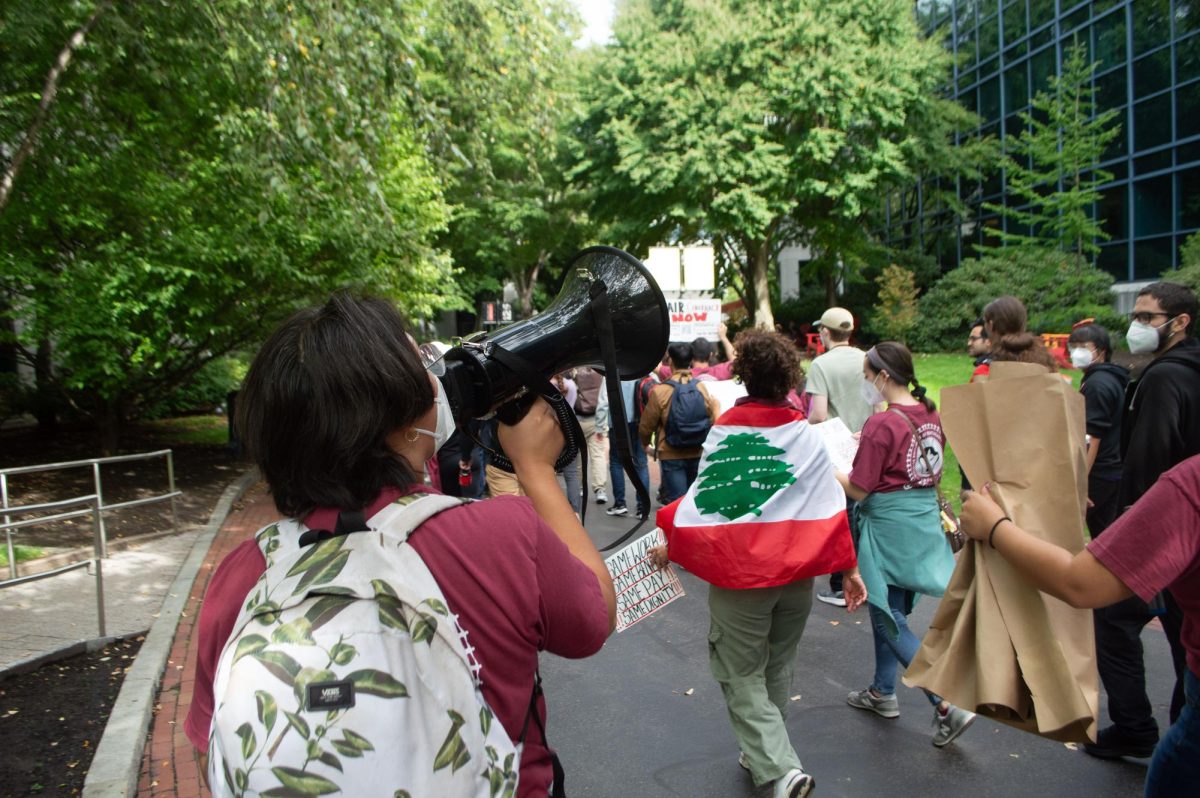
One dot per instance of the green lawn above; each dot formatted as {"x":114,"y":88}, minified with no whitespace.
{"x":211,"y":429}
{"x":23,"y":553}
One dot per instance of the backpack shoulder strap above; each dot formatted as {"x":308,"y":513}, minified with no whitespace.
{"x":399,"y":519}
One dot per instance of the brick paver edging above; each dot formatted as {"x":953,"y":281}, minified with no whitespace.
{"x":116,"y":764}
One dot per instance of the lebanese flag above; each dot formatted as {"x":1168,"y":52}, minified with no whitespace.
{"x":765,"y":508}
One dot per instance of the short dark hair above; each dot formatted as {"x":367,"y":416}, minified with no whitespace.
{"x":836,"y":335}
{"x":321,"y":398}
{"x":680,"y":355}
{"x":1174,"y":299}
{"x":702,"y":349}
{"x":982,"y":327}
{"x":1092,"y":334}
{"x":768,"y":363}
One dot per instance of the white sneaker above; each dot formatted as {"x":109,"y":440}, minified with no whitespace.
{"x":794,"y":784}
{"x":601,"y":496}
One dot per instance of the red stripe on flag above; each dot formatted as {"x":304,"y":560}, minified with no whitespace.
{"x":752,"y":414}
{"x":748,"y":555}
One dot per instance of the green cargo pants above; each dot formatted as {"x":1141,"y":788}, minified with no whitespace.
{"x":752,"y":643}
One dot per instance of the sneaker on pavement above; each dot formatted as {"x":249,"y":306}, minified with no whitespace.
{"x":885,"y":706}
{"x":835,"y":597}
{"x":947,"y":727}
{"x":1113,"y":742}
{"x":601,"y":496}
{"x":794,"y":784}
{"x":617,"y":509}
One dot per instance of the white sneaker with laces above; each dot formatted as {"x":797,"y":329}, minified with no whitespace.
{"x":794,"y":784}
{"x":601,"y":496}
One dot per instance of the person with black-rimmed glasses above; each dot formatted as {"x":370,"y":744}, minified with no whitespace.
{"x":1161,"y":429}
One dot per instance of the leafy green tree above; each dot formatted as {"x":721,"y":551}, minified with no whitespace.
{"x":1051,"y":166}
{"x":896,"y":309}
{"x":201,"y":172}
{"x":1056,"y":291}
{"x":754,"y":124}
{"x":1188,"y":272}
{"x":741,"y":475}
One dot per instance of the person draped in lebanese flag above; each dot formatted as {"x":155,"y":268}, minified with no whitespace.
{"x":764,"y":516}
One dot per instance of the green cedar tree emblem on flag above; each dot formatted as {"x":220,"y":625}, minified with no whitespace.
{"x":741,"y":476}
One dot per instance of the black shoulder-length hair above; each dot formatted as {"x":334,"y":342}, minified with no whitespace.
{"x":321,"y":398}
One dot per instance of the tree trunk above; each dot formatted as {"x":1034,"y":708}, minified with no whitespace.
{"x":44,"y":406}
{"x":760,"y":286}
{"x":111,"y":425}
{"x":49,"y":92}
{"x":527,"y":282}
{"x":831,"y":289}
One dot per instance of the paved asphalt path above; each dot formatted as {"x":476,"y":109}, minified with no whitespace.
{"x":624,"y":723}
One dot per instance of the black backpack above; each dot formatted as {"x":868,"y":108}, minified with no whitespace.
{"x":687,"y":419}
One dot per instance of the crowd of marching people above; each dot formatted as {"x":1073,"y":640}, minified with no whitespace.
{"x":748,"y":500}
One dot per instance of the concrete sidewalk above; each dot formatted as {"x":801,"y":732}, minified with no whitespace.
{"x":43,"y":620}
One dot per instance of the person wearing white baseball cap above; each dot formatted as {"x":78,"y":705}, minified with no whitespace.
{"x":835,"y":382}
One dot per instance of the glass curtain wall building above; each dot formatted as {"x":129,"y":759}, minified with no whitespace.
{"x":1148,"y":68}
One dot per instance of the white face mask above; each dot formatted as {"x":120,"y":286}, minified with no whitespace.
{"x":1082,"y":357}
{"x":1144,"y":338}
{"x":445,"y":419}
{"x":871,"y":393}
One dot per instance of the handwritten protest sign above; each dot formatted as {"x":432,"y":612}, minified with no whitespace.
{"x":694,"y":318}
{"x":642,"y":588}
{"x":839,"y":442}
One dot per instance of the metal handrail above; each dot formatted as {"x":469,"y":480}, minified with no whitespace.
{"x":94,"y":462}
{"x":96,"y":560}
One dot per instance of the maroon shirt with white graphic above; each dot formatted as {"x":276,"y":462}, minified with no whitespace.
{"x":889,"y":458}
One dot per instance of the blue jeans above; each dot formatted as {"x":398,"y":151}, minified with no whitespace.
{"x":574,"y":487}
{"x":891,"y":653}
{"x":616,"y":474}
{"x":1175,"y":768}
{"x":678,"y":476}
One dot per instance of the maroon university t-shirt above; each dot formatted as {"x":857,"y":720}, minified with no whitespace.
{"x":889,"y":457}
{"x":515,"y":587}
{"x":1156,"y":545}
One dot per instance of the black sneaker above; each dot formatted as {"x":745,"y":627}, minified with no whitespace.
{"x":1113,"y":743}
{"x":617,"y":509}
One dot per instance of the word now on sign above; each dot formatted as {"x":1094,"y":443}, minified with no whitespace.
{"x":694,"y":318}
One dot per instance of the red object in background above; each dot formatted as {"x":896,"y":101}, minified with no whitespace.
{"x":464,"y":475}
{"x":1056,"y":343}
{"x":813,"y":345}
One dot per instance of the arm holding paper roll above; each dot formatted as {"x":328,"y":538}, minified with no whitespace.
{"x":1080,"y":580}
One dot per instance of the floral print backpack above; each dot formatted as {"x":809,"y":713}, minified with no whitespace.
{"x":346,"y":673}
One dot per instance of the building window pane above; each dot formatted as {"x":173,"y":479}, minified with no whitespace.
{"x":1014,"y":22}
{"x":1187,"y":17}
{"x":1040,"y":12}
{"x":1110,"y":90}
{"x":1152,"y":258}
{"x":1114,"y":259}
{"x":1154,"y":162}
{"x":1114,"y":212}
{"x":1016,"y":88}
{"x":989,"y":38}
{"x":1041,"y":67}
{"x":1187,"y":59}
{"x":1152,"y":206}
{"x":1187,"y":111}
{"x":1187,"y":183}
{"x":989,"y":99}
{"x":1109,"y":36}
{"x":1152,"y":73}
{"x":1152,"y":122}
{"x":1151,"y":24}
{"x":1073,"y":21}
{"x":1101,"y":6}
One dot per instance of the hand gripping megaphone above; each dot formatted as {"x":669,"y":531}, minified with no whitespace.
{"x":609,"y":314}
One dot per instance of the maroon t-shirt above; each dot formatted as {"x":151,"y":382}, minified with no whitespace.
{"x":1155,"y":544}
{"x":889,"y":458}
{"x":515,"y":587}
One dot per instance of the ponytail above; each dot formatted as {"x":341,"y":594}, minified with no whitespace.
{"x":919,"y":393}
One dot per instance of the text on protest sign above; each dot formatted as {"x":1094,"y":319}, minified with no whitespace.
{"x":694,"y":318}
{"x":642,"y":588}
{"x":839,"y":442}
